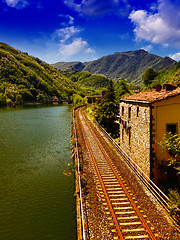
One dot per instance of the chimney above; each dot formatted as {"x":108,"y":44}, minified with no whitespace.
{"x":158,"y":87}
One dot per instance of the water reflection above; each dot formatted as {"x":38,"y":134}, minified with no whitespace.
{"x":36,"y":199}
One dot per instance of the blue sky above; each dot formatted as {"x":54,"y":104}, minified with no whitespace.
{"x":85,"y":30}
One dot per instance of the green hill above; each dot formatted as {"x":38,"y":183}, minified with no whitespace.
{"x":87,"y":79}
{"x":171,"y":76}
{"x":26,"y":78}
{"x":126,"y":65}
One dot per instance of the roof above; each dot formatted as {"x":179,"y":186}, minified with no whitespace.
{"x":151,"y":96}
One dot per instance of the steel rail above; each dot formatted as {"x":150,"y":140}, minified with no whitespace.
{"x":124,"y":188}
{"x":150,"y":185}
{"x":103,"y":187}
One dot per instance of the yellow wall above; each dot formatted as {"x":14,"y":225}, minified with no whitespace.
{"x":164,"y":112}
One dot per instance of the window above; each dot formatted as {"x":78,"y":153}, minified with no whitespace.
{"x":137,"y":111}
{"x":171,"y":128}
{"x":129,"y":112}
{"x":123,"y":134}
{"x":122,"y":111}
{"x":129,"y":137}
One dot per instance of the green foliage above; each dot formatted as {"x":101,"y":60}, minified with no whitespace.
{"x":149,"y":75}
{"x":25,"y":78}
{"x":174,"y":202}
{"x":171,"y":76}
{"x":171,"y":143}
{"x":121,"y":88}
{"x":2,"y":99}
{"x":78,"y":100}
{"x":107,"y":111}
{"x":87,"y":79}
{"x":90,"y":111}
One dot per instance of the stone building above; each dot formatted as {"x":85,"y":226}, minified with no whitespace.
{"x":144,"y":119}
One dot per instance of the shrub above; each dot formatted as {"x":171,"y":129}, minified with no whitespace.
{"x":174,"y":203}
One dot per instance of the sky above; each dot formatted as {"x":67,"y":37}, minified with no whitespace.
{"x":85,"y":30}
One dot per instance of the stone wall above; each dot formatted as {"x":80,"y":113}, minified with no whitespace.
{"x":135,"y":132}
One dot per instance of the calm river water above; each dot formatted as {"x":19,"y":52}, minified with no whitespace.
{"x":36,"y":198}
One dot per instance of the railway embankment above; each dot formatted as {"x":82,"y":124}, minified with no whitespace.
{"x":112,"y":203}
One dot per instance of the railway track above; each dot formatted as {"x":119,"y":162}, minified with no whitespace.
{"x":125,"y":217}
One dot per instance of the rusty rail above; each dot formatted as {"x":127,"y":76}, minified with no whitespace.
{"x":104,"y":190}
{"x":152,"y":236}
{"x":157,"y":193}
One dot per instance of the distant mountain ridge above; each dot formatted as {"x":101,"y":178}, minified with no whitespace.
{"x":125,"y":65}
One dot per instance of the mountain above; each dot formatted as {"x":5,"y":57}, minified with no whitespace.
{"x":124,"y":65}
{"x":69,"y":66}
{"x":26,"y":78}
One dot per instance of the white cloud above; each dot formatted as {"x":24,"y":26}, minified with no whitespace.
{"x":68,"y":17}
{"x":162,"y":27}
{"x":90,"y":50}
{"x":71,"y":20}
{"x":147,"y":48}
{"x":17,"y":3}
{"x":66,"y":33}
{"x":73,"y":48}
{"x":70,"y":44}
{"x":175,"y":56}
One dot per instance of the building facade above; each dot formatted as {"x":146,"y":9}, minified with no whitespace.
{"x":144,"y":119}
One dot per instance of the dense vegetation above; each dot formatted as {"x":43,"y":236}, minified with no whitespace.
{"x":123,"y":88}
{"x":25,"y":78}
{"x":171,"y":76}
{"x":93,"y":84}
{"x":171,"y":143}
{"x":170,"y":171}
{"x":152,"y":77}
{"x":107,"y":112}
{"x":148,"y":76}
{"x":126,"y":65}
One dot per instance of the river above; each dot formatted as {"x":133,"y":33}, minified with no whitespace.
{"x":36,"y":199}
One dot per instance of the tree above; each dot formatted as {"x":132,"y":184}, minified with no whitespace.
{"x":107,"y":111}
{"x":171,"y":143}
{"x":121,"y":88}
{"x":78,"y":100}
{"x":149,"y":75}
{"x":2,"y":99}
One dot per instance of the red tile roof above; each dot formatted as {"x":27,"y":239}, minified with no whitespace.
{"x":153,"y":95}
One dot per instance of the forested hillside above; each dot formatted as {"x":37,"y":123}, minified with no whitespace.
{"x":88,"y":79}
{"x":125,"y":65}
{"x":171,"y":76}
{"x":26,"y":78}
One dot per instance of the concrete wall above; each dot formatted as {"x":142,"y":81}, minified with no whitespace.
{"x":138,"y":146}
